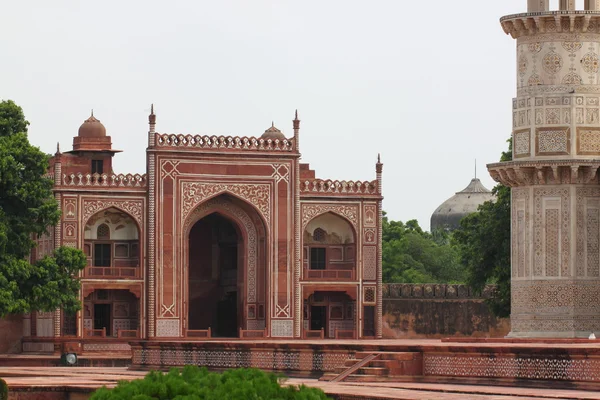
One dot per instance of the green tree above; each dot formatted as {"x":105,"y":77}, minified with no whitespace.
{"x":411,"y":255}
{"x":199,"y":383}
{"x":484,"y":243}
{"x":27,"y":211}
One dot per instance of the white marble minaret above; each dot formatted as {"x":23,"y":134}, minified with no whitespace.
{"x":554,"y":172}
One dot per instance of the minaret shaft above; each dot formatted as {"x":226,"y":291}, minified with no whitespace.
{"x":555,"y":210}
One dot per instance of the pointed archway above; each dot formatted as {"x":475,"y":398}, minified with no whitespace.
{"x":226,"y":262}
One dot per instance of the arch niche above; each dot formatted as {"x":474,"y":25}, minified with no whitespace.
{"x":225,"y":257}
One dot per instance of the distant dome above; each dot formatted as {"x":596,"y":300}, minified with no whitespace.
{"x":92,"y":127}
{"x":463,"y":203}
{"x":273,"y":133}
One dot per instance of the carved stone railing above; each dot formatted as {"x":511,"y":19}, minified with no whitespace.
{"x":128,"y":333}
{"x":111,"y":272}
{"x":433,"y":290}
{"x":329,"y":274}
{"x":314,"y":334}
{"x":345,"y":334}
{"x":223,"y":142}
{"x":327,"y":186}
{"x":252,"y":333}
{"x":105,"y":180}
{"x":199,"y":333}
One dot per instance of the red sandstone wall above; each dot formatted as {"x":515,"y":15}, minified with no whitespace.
{"x":11,"y":333}
{"x":436,"y":311}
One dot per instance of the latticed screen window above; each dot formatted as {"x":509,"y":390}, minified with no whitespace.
{"x":317,"y":258}
{"x":103,"y":232}
{"x":69,"y":324}
{"x":319,"y":235}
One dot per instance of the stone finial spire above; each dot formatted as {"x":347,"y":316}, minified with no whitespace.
{"x":58,"y":153}
{"x":296,"y":123}
{"x":379,"y":165}
{"x":152,"y":128}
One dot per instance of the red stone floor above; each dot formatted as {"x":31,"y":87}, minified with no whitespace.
{"x":84,"y":379}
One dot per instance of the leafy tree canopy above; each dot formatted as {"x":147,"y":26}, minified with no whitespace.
{"x":196,"y":383}
{"x":27,"y":211}
{"x":411,"y":255}
{"x":484,"y":243}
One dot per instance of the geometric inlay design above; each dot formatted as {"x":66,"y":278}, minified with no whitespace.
{"x":589,"y":63}
{"x":552,"y":141}
{"x":588,"y":141}
{"x":521,"y":367}
{"x":284,"y":359}
{"x":522,"y":143}
{"x":370,"y":263}
{"x":552,"y":63}
{"x":369,"y":295}
{"x":552,"y":242}
{"x":282,"y":328}
{"x":592,"y":248}
{"x":167,"y":328}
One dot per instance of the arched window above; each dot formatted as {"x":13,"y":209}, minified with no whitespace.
{"x":319,"y":235}
{"x":103,"y":232}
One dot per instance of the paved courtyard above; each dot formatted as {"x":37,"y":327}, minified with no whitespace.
{"x":83,"y":379}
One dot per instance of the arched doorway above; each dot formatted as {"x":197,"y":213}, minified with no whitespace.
{"x":215,"y":276}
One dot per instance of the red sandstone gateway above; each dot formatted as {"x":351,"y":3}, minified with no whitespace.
{"x":223,"y":237}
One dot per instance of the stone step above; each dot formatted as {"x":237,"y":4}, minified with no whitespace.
{"x":377,"y":371}
{"x":365,"y":378}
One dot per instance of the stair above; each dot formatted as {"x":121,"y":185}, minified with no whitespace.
{"x":375,"y":367}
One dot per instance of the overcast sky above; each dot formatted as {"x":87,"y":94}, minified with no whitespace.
{"x":428,"y":84}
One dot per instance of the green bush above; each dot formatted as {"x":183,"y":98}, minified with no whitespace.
{"x":4,"y":390}
{"x":195,"y":383}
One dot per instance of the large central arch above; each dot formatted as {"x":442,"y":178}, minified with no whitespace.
{"x":251,"y":289}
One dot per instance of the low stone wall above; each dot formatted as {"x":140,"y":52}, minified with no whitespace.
{"x":437,"y":311}
{"x":11,"y":332}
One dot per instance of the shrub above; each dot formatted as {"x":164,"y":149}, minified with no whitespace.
{"x":193,"y":383}
{"x":4,"y":390}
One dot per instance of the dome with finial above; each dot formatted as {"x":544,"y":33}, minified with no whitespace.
{"x":92,"y":128}
{"x":273,"y":133}
{"x":449,"y":213}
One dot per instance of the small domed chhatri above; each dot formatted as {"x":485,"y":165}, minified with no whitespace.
{"x":273,"y":134}
{"x":92,"y":127}
{"x":463,"y":203}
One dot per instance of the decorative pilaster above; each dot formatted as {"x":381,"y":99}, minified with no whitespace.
{"x":379,"y":308}
{"x":298,"y":300}
{"x":57,"y":228}
{"x":151,"y":226}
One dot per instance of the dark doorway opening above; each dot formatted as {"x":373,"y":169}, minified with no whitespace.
{"x":102,"y":317}
{"x":214,"y":262}
{"x":369,"y":322}
{"x":318,"y":318}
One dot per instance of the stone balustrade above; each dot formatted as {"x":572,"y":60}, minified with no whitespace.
{"x":328,"y":186}
{"x":105,"y":180}
{"x":433,"y":290}
{"x":224,"y":143}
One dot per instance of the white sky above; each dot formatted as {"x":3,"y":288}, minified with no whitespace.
{"x":428,"y":84}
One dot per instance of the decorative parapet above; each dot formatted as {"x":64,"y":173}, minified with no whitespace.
{"x":526,"y":24}
{"x":433,"y":291}
{"x":546,"y":172}
{"x":104,"y":180}
{"x":223,"y":143}
{"x":327,"y":186}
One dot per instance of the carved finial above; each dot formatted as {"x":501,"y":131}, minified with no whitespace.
{"x":475,"y":168}
{"x":272,"y":124}
{"x":92,"y":112}
{"x":378,"y":158}
{"x":152,"y":116}
{"x":296,"y":122}
{"x":57,"y":148}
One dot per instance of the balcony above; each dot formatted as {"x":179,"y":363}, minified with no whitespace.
{"x":328,"y":274}
{"x":112,"y":272}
